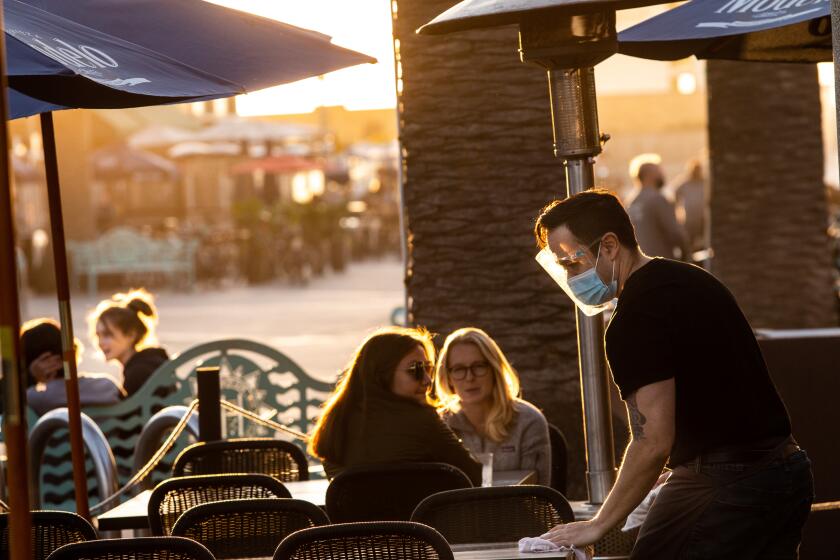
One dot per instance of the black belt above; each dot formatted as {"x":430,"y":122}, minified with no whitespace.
{"x":747,"y":453}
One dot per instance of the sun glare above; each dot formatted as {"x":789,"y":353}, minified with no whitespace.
{"x":361,"y":25}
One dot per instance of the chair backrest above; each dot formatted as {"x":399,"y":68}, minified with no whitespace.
{"x":247,"y":528}
{"x":280,"y":459}
{"x":172,"y":497}
{"x":351,"y":541}
{"x":50,"y":530}
{"x":495,"y":514}
{"x":559,"y":458}
{"x":388,"y":492}
{"x":144,"y":548}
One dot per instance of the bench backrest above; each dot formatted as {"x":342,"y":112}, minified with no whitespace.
{"x":253,"y":376}
{"x":127,"y":247}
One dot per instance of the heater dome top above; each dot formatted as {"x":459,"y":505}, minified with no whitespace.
{"x":474,"y":14}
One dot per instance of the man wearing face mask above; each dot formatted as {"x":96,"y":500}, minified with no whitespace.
{"x":697,"y":391}
{"x":654,"y":218}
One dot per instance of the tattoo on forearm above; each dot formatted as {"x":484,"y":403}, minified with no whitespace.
{"x":637,"y":419}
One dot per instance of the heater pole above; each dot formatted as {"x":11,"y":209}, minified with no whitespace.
{"x":574,"y":117}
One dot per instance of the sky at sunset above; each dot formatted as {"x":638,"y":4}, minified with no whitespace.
{"x":361,"y":25}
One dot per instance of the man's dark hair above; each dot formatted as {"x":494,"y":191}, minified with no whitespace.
{"x":588,"y":215}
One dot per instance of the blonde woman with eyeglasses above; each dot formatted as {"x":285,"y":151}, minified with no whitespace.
{"x":479,"y":394}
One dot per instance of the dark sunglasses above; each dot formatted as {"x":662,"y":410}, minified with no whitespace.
{"x":419,"y":370}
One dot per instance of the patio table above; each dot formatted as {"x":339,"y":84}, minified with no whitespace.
{"x":501,"y":551}
{"x":134,"y":513}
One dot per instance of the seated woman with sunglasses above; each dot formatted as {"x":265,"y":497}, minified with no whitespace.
{"x":478,"y":390}
{"x":380,"y":411}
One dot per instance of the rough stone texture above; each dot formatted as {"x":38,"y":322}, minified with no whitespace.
{"x":477,"y":168}
{"x":768,"y":204}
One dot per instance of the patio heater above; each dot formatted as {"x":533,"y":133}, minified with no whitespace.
{"x":567,"y":38}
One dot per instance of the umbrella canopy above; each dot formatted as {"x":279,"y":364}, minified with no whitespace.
{"x":472,"y":14}
{"x":101,"y":54}
{"x":755,"y":30}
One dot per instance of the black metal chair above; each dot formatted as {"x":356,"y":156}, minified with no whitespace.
{"x":247,"y":528}
{"x":559,"y":458}
{"x":495,"y":514}
{"x":145,"y":548}
{"x":384,"y":540}
{"x":173,"y":497}
{"x":615,"y":544}
{"x":50,"y":530}
{"x":388,"y":492}
{"x":283,"y":460}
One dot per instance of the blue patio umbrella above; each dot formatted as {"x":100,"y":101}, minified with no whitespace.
{"x":129,"y":53}
{"x":753,"y":30}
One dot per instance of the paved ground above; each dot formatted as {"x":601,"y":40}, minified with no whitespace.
{"x":318,"y":326}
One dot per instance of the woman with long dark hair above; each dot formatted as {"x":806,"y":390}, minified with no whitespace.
{"x":380,"y":411}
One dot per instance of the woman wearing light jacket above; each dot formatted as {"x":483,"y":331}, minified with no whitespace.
{"x":479,"y":394}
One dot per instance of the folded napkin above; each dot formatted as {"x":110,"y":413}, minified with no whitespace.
{"x":536,"y":544}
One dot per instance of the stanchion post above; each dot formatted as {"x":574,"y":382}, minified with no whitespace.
{"x":209,"y":404}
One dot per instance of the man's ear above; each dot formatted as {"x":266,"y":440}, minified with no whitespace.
{"x":610,"y":244}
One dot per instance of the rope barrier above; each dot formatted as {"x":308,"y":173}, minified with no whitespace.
{"x":147,"y":469}
{"x":264,"y":421}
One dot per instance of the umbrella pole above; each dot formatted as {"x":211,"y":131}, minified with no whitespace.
{"x":71,"y":379}
{"x":14,"y":412}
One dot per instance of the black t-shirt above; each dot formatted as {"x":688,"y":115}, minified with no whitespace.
{"x":677,"y":320}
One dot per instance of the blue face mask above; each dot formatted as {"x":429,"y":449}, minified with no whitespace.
{"x":590,"y":289}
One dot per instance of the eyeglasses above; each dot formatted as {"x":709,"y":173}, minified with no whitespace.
{"x":478,"y":369}
{"x":576,"y":257}
{"x":419,"y":370}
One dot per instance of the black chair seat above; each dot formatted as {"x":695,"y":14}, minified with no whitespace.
{"x":50,"y":530}
{"x":173,"y":497}
{"x":281,"y":459}
{"x":247,"y":528}
{"x":502,"y":514}
{"x":394,"y":540}
{"x":388,"y":492}
{"x":559,"y":458}
{"x":146,"y":548}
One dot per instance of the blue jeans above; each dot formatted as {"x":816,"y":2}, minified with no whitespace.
{"x":730,"y":510}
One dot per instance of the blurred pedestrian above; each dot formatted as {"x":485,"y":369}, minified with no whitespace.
{"x":692,"y":203}
{"x":653,"y":215}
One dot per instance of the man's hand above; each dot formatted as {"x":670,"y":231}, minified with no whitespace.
{"x":579,"y":534}
{"x":44,"y":367}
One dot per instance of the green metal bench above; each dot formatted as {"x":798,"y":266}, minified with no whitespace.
{"x":125,"y":251}
{"x":253,"y":376}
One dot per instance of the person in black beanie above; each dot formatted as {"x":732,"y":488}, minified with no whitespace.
{"x":46,"y":388}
